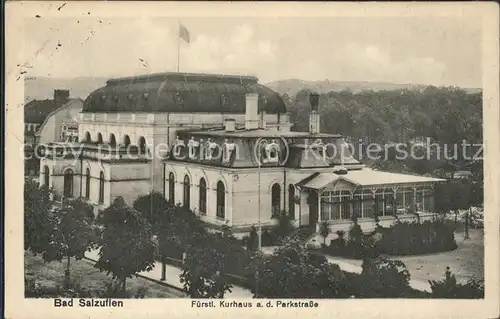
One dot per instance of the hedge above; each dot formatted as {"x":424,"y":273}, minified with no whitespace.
{"x":400,"y":239}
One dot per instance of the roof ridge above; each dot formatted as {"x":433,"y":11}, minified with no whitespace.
{"x":183,"y":75}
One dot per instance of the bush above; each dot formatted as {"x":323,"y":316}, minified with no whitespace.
{"x":449,"y":288}
{"x":418,"y":238}
{"x":294,"y":272}
{"x":357,"y":246}
{"x":34,"y":289}
{"x":269,"y":239}
{"x":114,"y":290}
{"x":383,"y":278}
{"x":284,"y":227}
{"x":400,"y":239}
{"x":252,"y":241}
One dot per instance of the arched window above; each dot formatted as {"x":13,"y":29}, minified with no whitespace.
{"x":291,"y":201}
{"x":126,"y":140}
{"x":68,"y":183}
{"x":142,"y":145}
{"x":46,"y":176}
{"x":171,"y":188}
{"x":101,"y":188}
{"x":87,"y":139}
{"x":112,"y":140}
{"x":187,"y":192}
{"x":87,"y":184}
{"x":276,"y":199}
{"x":221,"y":200}
{"x":203,"y":197}
{"x":99,"y":138}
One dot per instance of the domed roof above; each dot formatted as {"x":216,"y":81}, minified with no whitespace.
{"x":181,"y":92}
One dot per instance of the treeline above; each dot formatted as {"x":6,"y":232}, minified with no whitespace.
{"x":447,"y":114}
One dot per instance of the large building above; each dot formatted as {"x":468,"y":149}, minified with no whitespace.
{"x":61,"y":125}
{"x":222,"y":146}
{"x":45,"y":121}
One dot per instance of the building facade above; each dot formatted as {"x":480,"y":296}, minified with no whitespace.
{"x":36,"y":113}
{"x":222,"y":146}
{"x":243,"y":176}
{"x":126,"y":127}
{"x":61,"y":125}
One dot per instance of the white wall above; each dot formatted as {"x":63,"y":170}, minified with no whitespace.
{"x":242,"y":186}
{"x":211,"y":175}
{"x":51,"y":130}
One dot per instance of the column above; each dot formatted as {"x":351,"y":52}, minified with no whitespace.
{"x":319,"y":206}
{"x":351,"y":204}
{"x":414,"y":206}
{"x":394,"y":201}
{"x":383,"y":202}
{"x":362,"y":204}
{"x":404,"y":200}
{"x":423,"y":200}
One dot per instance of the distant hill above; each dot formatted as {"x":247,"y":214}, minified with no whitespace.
{"x":292,"y":86}
{"x":41,"y":88}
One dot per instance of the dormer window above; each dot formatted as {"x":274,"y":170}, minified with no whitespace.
{"x":192,"y":147}
{"x":178,"y":99}
{"x":346,"y":150}
{"x":272,"y":151}
{"x":224,"y":100}
{"x":145,"y":96}
{"x":227,"y":150}
{"x":319,"y":147}
{"x":178,"y":145}
{"x":104,"y":97}
{"x":210,"y":147}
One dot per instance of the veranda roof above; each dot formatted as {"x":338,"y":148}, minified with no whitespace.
{"x":366,"y":177}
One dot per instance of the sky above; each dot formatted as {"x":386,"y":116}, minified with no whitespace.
{"x":414,"y":50}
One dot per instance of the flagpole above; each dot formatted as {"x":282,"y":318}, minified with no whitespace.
{"x":178,"y":46}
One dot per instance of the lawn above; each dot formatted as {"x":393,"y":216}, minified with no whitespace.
{"x":83,"y":272}
{"x":466,"y":262}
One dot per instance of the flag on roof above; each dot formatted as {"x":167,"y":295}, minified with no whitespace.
{"x":183,"y":33}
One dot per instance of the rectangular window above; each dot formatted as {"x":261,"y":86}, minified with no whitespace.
{"x":368,"y":206}
{"x":357,"y":203}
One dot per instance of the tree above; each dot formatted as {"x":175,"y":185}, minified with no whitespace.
{"x":203,"y":271}
{"x":71,"y":235}
{"x":295,"y":272}
{"x":126,"y":242}
{"x":384,"y":278}
{"x":449,"y":288}
{"x":156,"y":209}
{"x":453,"y":196}
{"x":324,"y":230}
{"x":37,"y":217}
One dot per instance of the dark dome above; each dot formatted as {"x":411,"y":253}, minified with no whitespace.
{"x":181,"y":92}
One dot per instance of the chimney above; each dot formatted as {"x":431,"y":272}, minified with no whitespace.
{"x":61,"y":96}
{"x":262,"y":120}
{"x":314,"y":119}
{"x":252,"y":110}
{"x":229,"y":125}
